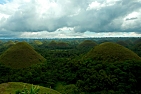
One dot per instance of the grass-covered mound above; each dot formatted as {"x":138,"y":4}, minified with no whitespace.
{"x":112,"y":52}
{"x":9,"y":43}
{"x":37,"y":42}
{"x":123,"y":43}
{"x":52,"y":44}
{"x":21,"y":55}
{"x":12,"y":87}
{"x":62,"y":45}
{"x":87,"y":43}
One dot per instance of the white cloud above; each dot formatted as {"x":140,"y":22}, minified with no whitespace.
{"x":99,"y":16}
{"x":56,"y":34}
{"x":94,"y":5}
{"x":72,"y":34}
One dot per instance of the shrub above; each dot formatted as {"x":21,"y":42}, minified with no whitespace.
{"x":32,"y":90}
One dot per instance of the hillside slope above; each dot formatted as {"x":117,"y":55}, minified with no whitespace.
{"x":12,"y":87}
{"x":21,"y":55}
{"x":109,"y":51}
{"x":87,"y":43}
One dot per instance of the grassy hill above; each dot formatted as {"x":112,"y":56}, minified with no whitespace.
{"x":123,"y":43}
{"x":87,"y":43}
{"x":109,"y":51}
{"x":38,"y":42}
{"x":12,"y":87}
{"x":21,"y":55}
{"x":9,"y":43}
{"x":62,"y":45}
{"x":52,"y":44}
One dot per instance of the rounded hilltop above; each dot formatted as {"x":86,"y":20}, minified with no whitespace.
{"x":87,"y":43}
{"x":111,"y":52}
{"x":62,"y":45}
{"x":21,"y":55}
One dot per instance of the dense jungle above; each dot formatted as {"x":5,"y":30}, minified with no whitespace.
{"x":72,"y":66}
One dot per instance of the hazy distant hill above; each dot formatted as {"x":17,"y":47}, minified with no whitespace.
{"x":62,"y":45}
{"x":87,"y":43}
{"x":9,"y":43}
{"x":123,"y":43}
{"x":138,"y":41}
{"x":109,"y":51}
{"x":37,"y":42}
{"x":52,"y":44}
{"x":21,"y":55}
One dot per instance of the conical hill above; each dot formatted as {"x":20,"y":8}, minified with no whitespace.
{"x":111,"y":52}
{"x":21,"y":55}
{"x":87,"y":43}
{"x":52,"y":44}
{"x":62,"y":45}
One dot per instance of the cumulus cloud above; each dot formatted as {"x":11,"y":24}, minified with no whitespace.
{"x":80,"y":15}
{"x":107,"y":18}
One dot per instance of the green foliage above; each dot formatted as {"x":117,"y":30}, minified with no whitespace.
{"x":70,"y":89}
{"x":67,"y":89}
{"x":137,"y":48}
{"x":32,"y":90}
{"x":111,"y":70}
{"x":118,"y":77}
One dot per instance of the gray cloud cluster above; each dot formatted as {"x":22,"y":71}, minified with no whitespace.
{"x":9,"y":34}
{"x":82,"y":15}
{"x":107,"y":19}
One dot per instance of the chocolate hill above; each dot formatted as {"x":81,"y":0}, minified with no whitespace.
{"x":62,"y":45}
{"x":87,"y":43}
{"x":37,"y":42}
{"x":123,"y":43}
{"x":21,"y":55}
{"x":111,"y":52}
{"x":52,"y":44}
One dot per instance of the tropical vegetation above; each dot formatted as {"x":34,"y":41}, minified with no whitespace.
{"x":106,"y":68}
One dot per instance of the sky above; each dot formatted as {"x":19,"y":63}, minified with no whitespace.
{"x":70,"y":18}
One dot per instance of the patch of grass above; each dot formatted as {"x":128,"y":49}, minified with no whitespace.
{"x":12,"y":87}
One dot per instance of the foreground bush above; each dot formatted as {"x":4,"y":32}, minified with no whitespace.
{"x":32,"y":90}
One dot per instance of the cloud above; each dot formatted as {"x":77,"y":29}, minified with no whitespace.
{"x":131,"y":18}
{"x":72,"y":34}
{"x":56,"y":34}
{"x":9,"y":34}
{"x":85,"y":15}
{"x":106,"y":18}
